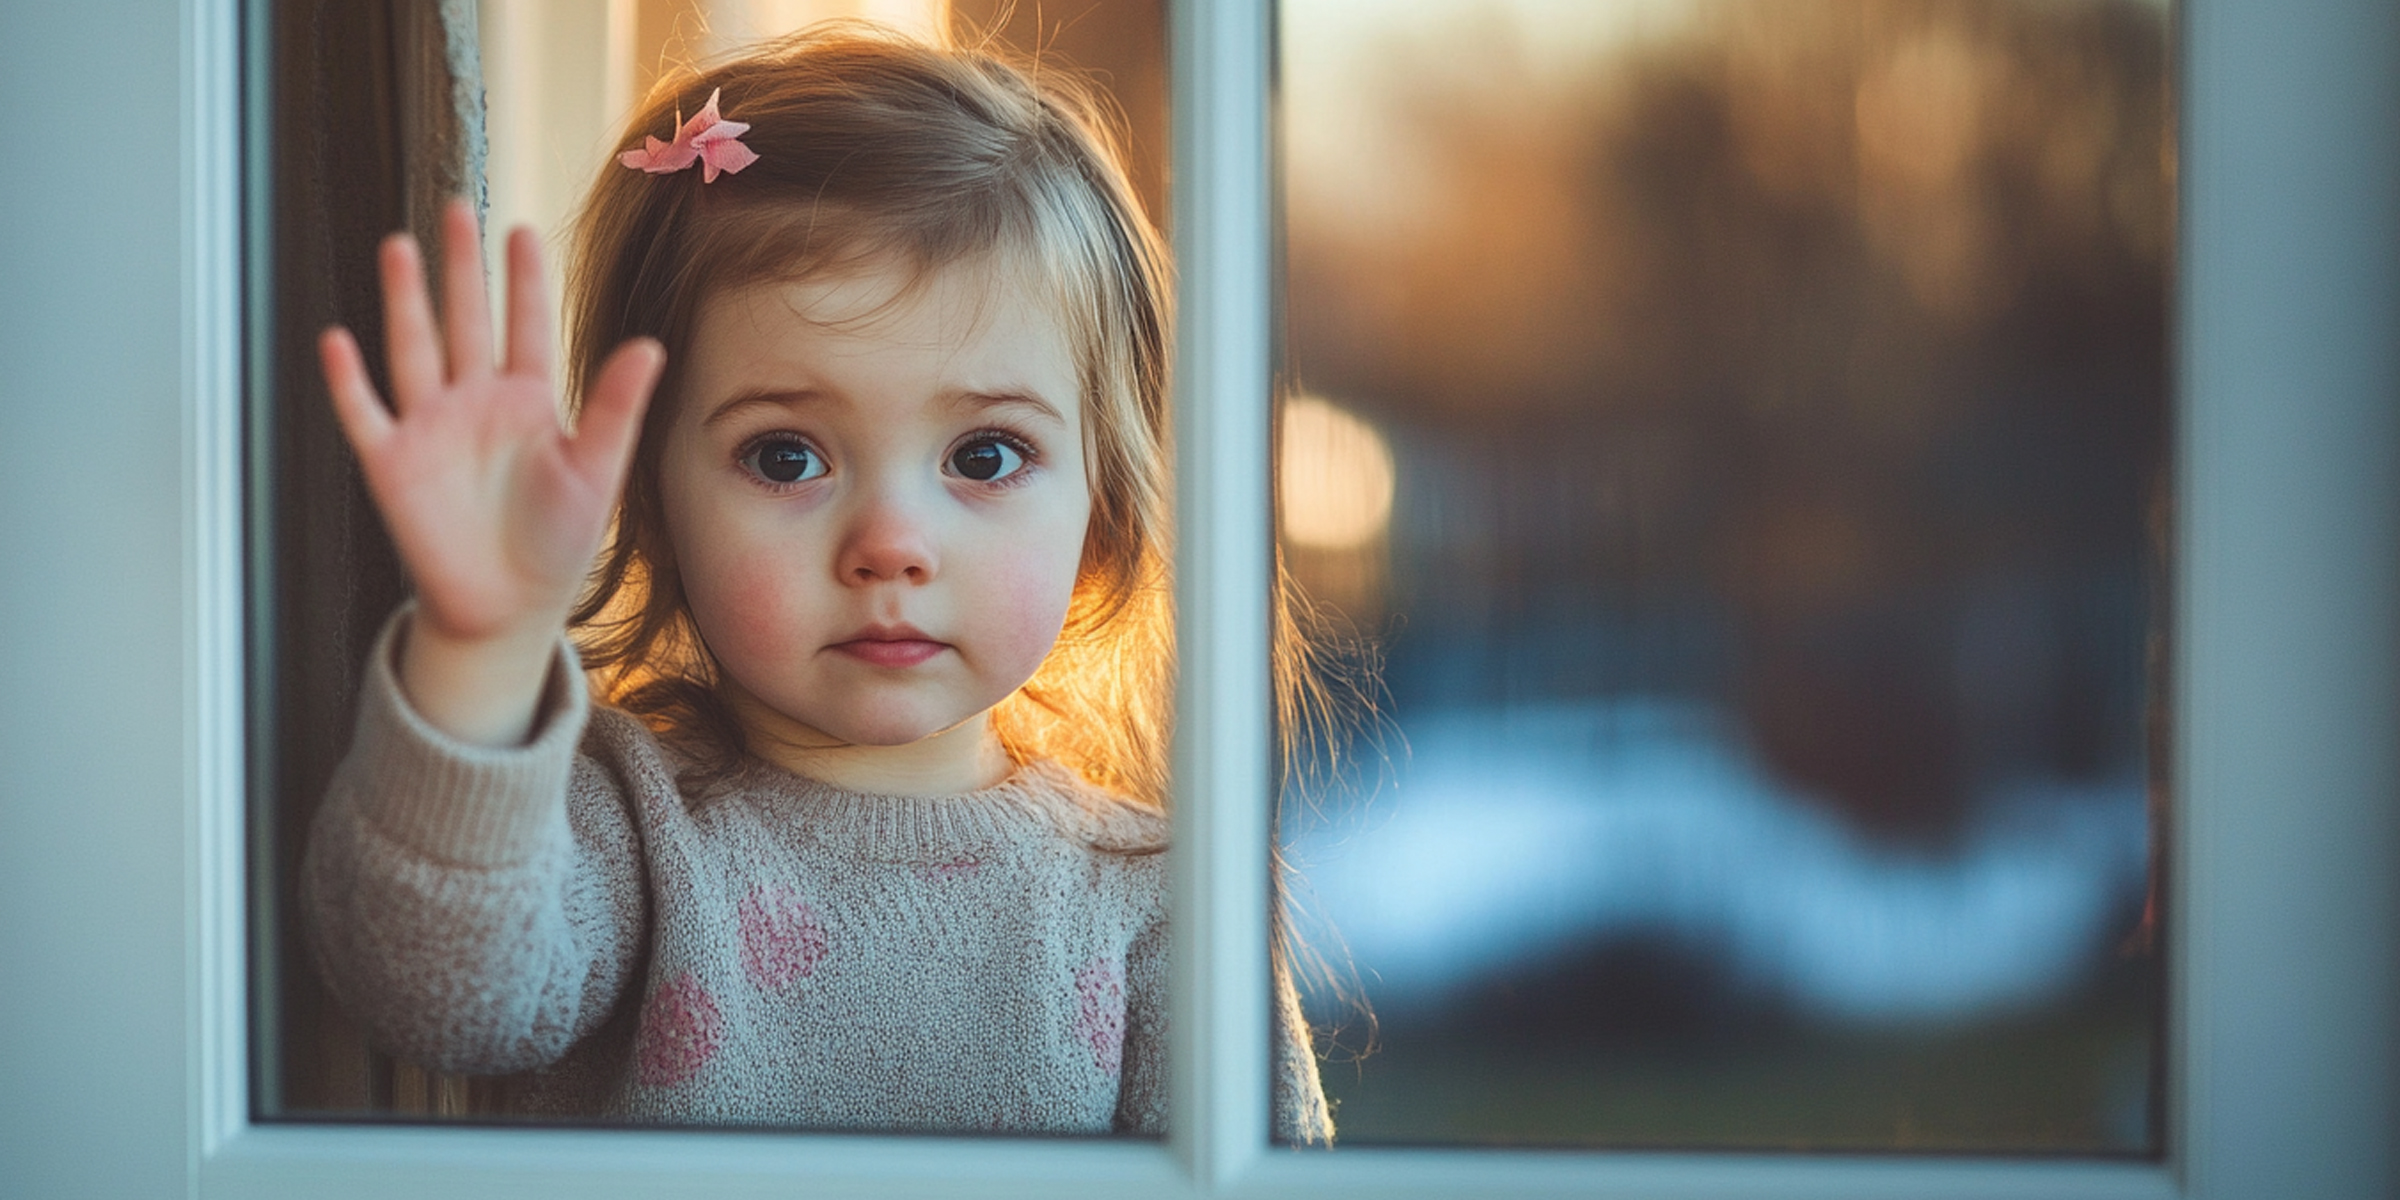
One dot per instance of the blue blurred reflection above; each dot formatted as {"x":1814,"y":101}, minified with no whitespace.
{"x":1514,"y":836}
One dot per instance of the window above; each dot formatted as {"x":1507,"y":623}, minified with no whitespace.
{"x":133,"y":1057}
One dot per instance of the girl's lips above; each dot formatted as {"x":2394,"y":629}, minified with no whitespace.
{"x":890,"y":652}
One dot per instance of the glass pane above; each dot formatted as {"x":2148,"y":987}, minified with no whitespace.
{"x":1029,"y":932}
{"x":1735,"y":437}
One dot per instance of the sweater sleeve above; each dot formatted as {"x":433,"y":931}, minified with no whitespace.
{"x":1302,"y":1117}
{"x":458,"y":904}
{"x":1142,"y":1087}
{"x":1300,"y":1114}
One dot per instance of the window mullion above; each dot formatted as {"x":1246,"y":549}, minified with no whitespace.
{"x":213,"y":274}
{"x":2285,"y":914}
{"x":1223,"y":699}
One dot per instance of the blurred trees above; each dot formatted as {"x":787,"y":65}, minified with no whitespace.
{"x":1811,"y":357}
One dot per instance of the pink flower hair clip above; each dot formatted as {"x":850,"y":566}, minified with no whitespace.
{"x":707,"y":139}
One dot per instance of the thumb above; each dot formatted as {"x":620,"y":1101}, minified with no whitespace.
{"x":612,"y":414}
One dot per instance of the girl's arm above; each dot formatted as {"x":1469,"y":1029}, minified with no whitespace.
{"x":496,"y":509}
{"x":469,"y":918}
{"x":1301,"y":1116}
{"x":471,"y":889}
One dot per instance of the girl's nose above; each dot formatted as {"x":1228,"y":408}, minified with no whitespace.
{"x":886,"y":542}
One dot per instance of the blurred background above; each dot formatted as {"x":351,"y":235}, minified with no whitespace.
{"x":1738,"y":430}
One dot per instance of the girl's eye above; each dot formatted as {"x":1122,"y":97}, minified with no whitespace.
{"x":986,"y":458}
{"x":784,"y":460}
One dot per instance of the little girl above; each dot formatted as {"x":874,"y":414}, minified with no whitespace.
{"x":866,"y":830}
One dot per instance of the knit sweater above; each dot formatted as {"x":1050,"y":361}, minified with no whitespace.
{"x":779,"y":952}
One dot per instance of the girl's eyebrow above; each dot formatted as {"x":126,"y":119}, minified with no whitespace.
{"x":760,"y":398}
{"x":792,"y":398}
{"x":1008,"y":398}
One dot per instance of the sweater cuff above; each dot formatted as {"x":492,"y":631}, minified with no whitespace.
{"x":456,"y":802}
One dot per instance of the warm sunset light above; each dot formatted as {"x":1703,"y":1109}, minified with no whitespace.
{"x":1336,"y":479}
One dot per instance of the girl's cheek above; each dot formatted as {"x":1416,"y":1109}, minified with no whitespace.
{"x":1028,"y":605}
{"x":757,"y":601}
{"x":740,"y":601}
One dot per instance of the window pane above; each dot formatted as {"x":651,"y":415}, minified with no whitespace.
{"x":373,"y":120}
{"x":1738,"y":432}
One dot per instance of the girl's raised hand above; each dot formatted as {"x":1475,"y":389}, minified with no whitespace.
{"x":496,"y":508}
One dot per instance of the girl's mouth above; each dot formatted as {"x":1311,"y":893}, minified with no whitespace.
{"x":893,"y":646}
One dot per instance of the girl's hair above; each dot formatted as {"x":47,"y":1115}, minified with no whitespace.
{"x":873,"y":149}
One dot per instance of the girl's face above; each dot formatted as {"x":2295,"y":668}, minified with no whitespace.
{"x":876,"y":501}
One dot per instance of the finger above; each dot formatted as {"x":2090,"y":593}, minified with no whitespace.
{"x":528,"y":306}
{"x":363,"y":418}
{"x":612,"y":414}
{"x":466,"y":310}
{"x":408,"y":334}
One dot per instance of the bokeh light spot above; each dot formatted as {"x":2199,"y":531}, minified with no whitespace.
{"x":1336,"y":478}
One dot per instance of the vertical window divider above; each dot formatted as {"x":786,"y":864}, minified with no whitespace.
{"x":2285,"y":915}
{"x":1219,"y":74}
{"x":214,"y":360}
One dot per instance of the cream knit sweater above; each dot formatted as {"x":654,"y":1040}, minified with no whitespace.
{"x":781,"y":953}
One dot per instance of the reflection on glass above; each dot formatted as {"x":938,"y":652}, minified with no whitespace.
{"x":1739,"y":430}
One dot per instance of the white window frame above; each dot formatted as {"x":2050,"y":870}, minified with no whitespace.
{"x":2285,"y":917}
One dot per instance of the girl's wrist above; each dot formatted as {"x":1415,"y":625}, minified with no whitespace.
{"x":484,"y":690}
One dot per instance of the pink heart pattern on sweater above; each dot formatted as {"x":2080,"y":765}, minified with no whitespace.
{"x":783,"y":939}
{"x":1100,"y":1013}
{"x":681,"y":1029}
